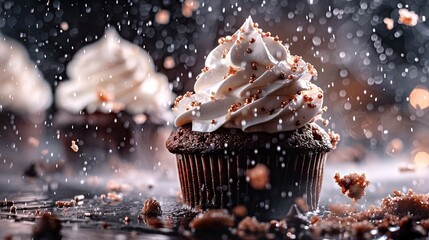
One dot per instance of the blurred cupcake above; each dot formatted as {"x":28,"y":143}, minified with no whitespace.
{"x":248,"y":135}
{"x":113,"y":104}
{"x":24,"y":98}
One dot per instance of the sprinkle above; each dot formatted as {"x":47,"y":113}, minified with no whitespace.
{"x":232,"y":71}
{"x":297,"y":123}
{"x":229,"y":89}
{"x":267,"y":34}
{"x":319,"y":96}
{"x":271,"y":111}
{"x":255,"y":25}
{"x":268,"y":67}
{"x":205,"y":69}
{"x":188,"y":94}
{"x":308,"y":98}
{"x":299,"y":92}
{"x":234,"y":107}
{"x":248,"y":50}
{"x":276,"y":38}
{"x":259,"y":91}
{"x":252,"y":40}
{"x":195,"y":104}
{"x":213,"y":121}
{"x":311,"y":105}
{"x":284,"y":103}
{"x":176,"y":102}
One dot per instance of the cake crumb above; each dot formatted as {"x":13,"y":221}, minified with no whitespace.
{"x":65,"y":204}
{"x":47,"y":227}
{"x":353,"y":185}
{"x":151,"y":207}
{"x":34,"y":142}
{"x":113,"y":196}
{"x":212,"y":220}
{"x":250,"y":224}
{"x":74,"y":146}
{"x":389,"y":23}
{"x":240,"y":211}
{"x":407,"y":17}
{"x":13,"y":209}
{"x":341,"y":209}
{"x":258,"y":177}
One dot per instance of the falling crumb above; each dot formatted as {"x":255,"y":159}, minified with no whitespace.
{"x":258,"y":177}
{"x":169,"y":62}
{"x":151,"y":207}
{"x":189,"y":6}
{"x":335,"y":138}
{"x":212,"y":220}
{"x":352,"y":185}
{"x":44,"y":152}
{"x":64,"y":26}
{"x":73,"y":146}
{"x":250,"y":224}
{"x":407,"y":17}
{"x":162,"y":16}
{"x":389,"y":23}
{"x":127,"y":219}
{"x":140,"y":118}
{"x":65,"y":204}
{"x":34,"y":142}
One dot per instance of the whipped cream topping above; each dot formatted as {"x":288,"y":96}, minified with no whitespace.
{"x":22,"y":86}
{"x":251,"y":82}
{"x":113,"y":74}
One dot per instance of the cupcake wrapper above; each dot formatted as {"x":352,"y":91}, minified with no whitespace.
{"x":219,"y":181}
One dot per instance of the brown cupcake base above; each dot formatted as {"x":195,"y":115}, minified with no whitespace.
{"x":219,"y":181}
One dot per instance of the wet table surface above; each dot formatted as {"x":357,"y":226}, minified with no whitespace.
{"x":98,"y":217}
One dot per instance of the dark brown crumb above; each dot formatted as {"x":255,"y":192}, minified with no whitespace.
{"x":151,"y":207}
{"x":47,"y":227}
{"x":127,"y":219}
{"x":352,"y":185}
{"x":212,"y":220}
{"x":66,"y":204}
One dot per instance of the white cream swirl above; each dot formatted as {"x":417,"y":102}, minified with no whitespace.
{"x":251,"y":82}
{"x":22,"y":86}
{"x":114,"y":74}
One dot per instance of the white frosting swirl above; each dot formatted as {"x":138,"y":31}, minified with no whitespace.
{"x":22,"y":87}
{"x":114,"y":73}
{"x":251,"y":82}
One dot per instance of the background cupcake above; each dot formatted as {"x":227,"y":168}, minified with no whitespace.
{"x":254,"y":106}
{"x":113,"y":104}
{"x":24,"y":98}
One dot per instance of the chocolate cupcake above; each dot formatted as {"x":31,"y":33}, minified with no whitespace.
{"x":24,"y":98}
{"x":248,"y":136}
{"x":113,"y":104}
